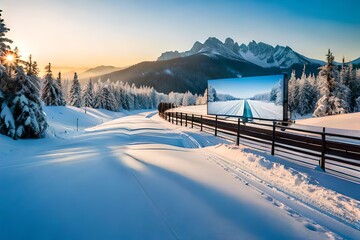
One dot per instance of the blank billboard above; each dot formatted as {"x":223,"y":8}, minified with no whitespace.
{"x":262,"y":97}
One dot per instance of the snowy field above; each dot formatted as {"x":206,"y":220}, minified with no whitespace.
{"x":136,"y":176}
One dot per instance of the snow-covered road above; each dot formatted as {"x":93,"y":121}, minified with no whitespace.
{"x":246,"y":108}
{"x":137,"y":177}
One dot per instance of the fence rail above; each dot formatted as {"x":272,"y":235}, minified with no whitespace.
{"x":335,"y":152}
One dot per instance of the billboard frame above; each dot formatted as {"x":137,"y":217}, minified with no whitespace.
{"x":285,"y":103}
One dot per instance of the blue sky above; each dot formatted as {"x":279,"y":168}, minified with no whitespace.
{"x":86,"y":33}
{"x":245,"y":87}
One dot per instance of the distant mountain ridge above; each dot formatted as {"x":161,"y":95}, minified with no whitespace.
{"x":261,"y":54}
{"x":213,"y":59}
{"x":91,"y":73}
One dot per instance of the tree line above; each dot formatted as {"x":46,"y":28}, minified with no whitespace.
{"x":23,"y":93}
{"x":335,"y":90}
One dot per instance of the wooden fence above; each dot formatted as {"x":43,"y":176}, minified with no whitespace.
{"x":336,"y":152}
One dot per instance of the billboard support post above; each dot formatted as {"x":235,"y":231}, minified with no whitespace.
{"x":286,"y":98}
{"x":273,"y":140}
{"x":216,"y":122}
{"x":238,"y":133}
{"x":323,"y":149}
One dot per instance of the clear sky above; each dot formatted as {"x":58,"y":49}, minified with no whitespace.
{"x":245,"y":87}
{"x":87,"y":33}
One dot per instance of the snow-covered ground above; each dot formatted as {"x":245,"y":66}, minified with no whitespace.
{"x":136,"y":176}
{"x":349,"y":122}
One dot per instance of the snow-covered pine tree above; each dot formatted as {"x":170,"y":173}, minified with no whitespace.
{"x":293,"y":92}
{"x":88,"y":95}
{"x":354,"y":85}
{"x":276,"y":94}
{"x":4,"y":42}
{"x":329,"y":103}
{"x":305,"y":97}
{"x":152,"y":95}
{"x":106,"y":100}
{"x":58,"y":80}
{"x":202,"y":99}
{"x":75,"y":93}
{"x":212,"y":95}
{"x":7,"y":122}
{"x":51,"y":92}
{"x":186,"y":99}
{"x":60,"y":94}
{"x":122,"y":96}
{"x":30,"y":120}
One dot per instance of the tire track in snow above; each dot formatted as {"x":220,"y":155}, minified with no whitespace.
{"x":278,"y":198}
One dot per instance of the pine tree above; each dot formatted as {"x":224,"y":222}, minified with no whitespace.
{"x":212,"y":95}
{"x":305,"y":98}
{"x":329,"y":103}
{"x":75,"y":93}
{"x":4,"y":42}
{"x":58,"y":80}
{"x":354,"y":85}
{"x":293,"y":92}
{"x":88,"y":95}
{"x":106,"y":100}
{"x":59,"y":90}
{"x":51,"y":92}
{"x":30,"y":120}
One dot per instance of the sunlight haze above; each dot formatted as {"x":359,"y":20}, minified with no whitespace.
{"x":81,"y":34}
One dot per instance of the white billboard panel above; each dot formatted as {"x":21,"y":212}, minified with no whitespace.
{"x":262,"y":97}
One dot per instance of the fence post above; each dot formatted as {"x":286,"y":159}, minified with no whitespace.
{"x":273,"y":140}
{"x":181,"y":118}
{"x":172,"y":117}
{"x":176,"y":116}
{"x":169,"y":117}
{"x":323,"y":149}
{"x":238,"y":133}
{"x":216,"y":120}
{"x":185,"y":119}
{"x":201,"y":123}
{"x":192,"y":121}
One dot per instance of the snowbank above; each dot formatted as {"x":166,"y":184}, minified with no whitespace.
{"x":349,"y":121}
{"x":298,"y":184}
{"x":63,"y":121}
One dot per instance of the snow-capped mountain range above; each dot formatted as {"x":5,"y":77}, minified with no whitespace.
{"x":259,"y":53}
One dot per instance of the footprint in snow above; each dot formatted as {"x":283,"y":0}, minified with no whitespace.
{"x":311,"y":227}
{"x":270,"y":199}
